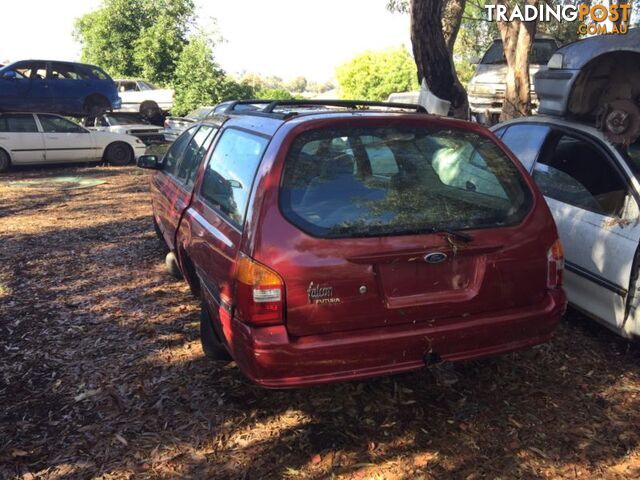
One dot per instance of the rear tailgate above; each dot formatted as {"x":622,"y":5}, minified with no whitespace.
{"x":358,"y":236}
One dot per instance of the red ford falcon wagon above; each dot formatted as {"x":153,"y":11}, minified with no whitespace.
{"x":340,"y":240}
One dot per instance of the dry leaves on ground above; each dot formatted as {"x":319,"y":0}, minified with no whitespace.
{"x":102,"y":375}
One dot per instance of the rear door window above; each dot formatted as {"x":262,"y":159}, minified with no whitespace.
{"x":18,"y":123}
{"x":194,"y":154}
{"x":404,"y":181}
{"x":578,"y":173}
{"x":230,"y":172}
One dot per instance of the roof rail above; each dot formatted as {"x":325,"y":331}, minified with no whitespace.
{"x":352,"y":104}
{"x":232,"y":105}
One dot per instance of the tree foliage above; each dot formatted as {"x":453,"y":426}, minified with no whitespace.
{"x":375,"y":75}
{"x":275,"y":94}
{"x":199,"y":81}
{"x":136,"y":38}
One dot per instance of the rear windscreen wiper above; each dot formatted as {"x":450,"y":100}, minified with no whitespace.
{"x":465,"y":237}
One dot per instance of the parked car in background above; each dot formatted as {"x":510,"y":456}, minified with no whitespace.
{"x":143,"y":97}
{"x":66,"y":88}
{"x":586,"y":160}
{"x":128,"y":123}
{"x":332,"y":243}
{"x":43,"y":138}
{"x":487,"y":86}
{"x":174,"y":126}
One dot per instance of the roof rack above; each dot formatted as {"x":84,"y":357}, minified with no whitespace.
{"x":271,"y":105}
{"x":352,"y":104}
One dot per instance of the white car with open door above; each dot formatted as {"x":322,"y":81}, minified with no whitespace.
{"x":44,"y":138}
{"x":592,"y":189}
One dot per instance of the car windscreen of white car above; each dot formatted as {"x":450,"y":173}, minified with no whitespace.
{"x":632,"y":154}
{"x":147,"y":86}
{"x":114,"y":119}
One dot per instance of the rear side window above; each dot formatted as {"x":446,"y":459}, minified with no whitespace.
{"x":194,"y":154}
{"x":65,"y":71}
{"x":526,"y":141}
{"x":392,"y":181}
{"x":18,"y":123}
{"x":229,"y":175}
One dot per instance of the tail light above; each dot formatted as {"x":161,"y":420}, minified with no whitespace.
{"x":555,"y":265}
{"x":260,"y":293}
{"x":166,"y":124}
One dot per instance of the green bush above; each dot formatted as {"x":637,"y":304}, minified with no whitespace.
{"x":375,"y":75}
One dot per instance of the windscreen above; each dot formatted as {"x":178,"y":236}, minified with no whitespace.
{"x":540,"y":53}
{"x":115,"y":119}
{"x":354,"y":182}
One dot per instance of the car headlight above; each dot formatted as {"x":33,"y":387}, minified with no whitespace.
{"x":556,"y":61}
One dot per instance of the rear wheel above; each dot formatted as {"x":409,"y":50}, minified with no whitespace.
{"x":118,"y":154}
{"x":5,"y":161}
{"x":150,"y":110}
{"x":95,"y":106}
{"x":211,"y":345}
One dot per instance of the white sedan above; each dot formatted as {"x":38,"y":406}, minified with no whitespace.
{"x":140,"y":96}
{"x":43,"y":138}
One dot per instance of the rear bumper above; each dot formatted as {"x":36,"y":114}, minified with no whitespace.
{"x":270,"y":358}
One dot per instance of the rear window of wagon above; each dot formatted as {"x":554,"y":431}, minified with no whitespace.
{"x":359,"y":182}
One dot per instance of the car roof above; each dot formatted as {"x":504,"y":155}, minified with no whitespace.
{"x":579,"y":53}
{"x":297,"y":112}
{"x":552,"y":120}
{"x":66,"y":62}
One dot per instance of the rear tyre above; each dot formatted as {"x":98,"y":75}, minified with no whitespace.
{"x":95,"y":106}
{"x":118,"y":154}
{"x":212,"y":347}
{"x":150,"y":110}
{"x":5,"y":161}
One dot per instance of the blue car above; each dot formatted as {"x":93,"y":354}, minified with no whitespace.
{"x":65,"y":88}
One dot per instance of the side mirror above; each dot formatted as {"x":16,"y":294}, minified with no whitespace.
{"x":149,"y":162}
{"x":10,"y":75}
{"x":234,"y":184}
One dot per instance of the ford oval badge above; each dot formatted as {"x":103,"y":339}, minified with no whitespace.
{"x":435,"y":257}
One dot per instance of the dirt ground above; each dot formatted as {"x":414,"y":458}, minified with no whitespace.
{"x":102,"y":374}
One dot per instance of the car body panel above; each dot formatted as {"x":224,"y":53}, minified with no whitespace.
{"x":373,"y":332}
{"x":555,"y":86}
{"x":600,"y":251}
{"x":44,"y":92}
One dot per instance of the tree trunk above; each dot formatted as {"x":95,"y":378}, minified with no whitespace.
{"x":433,"y":58}
{"x":517,"y":39}
{"x":451,"y":21}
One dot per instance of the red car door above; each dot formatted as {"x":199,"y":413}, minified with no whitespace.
{"x":172,"y":187}
{"x":211,"y":229}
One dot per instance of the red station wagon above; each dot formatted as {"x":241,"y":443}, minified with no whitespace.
{"x":341,"y":240}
